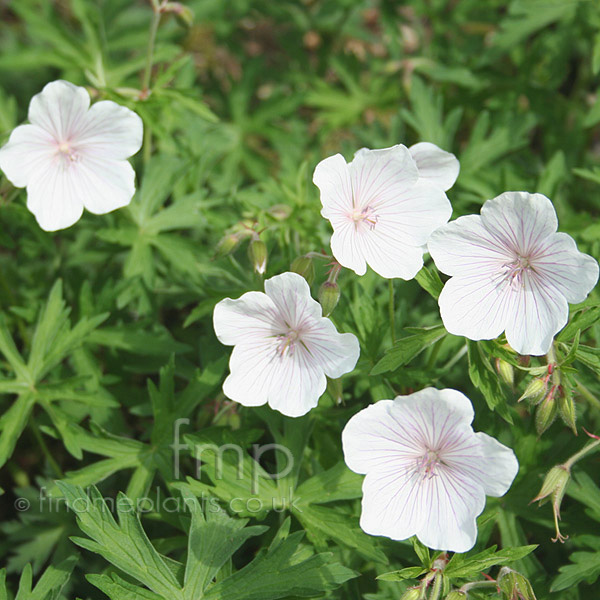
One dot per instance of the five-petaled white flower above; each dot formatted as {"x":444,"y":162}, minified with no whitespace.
{"x":384,"y":205}
{"x":510,"y":272}
{"x":284,"y":347}
{"x":72,"y":156}
{"x":427,"y":471}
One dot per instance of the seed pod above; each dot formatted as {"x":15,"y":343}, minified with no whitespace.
{"x":329,"y":295}
{"x":554,"y":485}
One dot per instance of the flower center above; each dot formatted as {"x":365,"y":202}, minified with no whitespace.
{"x":287,"y":342}
{"x":66,"y":153}
{"x":514,"y":273}
{"x":365,"y":215}
{"x":427,"y":464}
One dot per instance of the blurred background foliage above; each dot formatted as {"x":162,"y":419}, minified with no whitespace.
{"x":112,"y":317}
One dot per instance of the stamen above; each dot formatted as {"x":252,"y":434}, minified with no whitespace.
{"x":366,"y":215}
{"x":514,"y":273}
{"x":287,"y":342}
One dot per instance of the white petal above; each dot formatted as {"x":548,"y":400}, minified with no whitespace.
{"x":29,"y":150}
{"x":336,"y":353}
{"x":466,"y":247}
{"x":53,"y":199}
{"x":435,"y":165}
{"x":392,"y":505}
{"x":347,"y":248}
{"x":519,"y":220}
{"x":109,"y":131}
{"x":452,"y":502}
{"x":291,"y":295}
{"x":561,"y":265}
{"x":391,"y":258}
{"x":476,"y":306}
{"x":297,"y":384}
{"x":291,"y":383}
{"x":370,"y":439}
{"x":538,"y":314}
{"x":332,"y":177}
{"x":103,"y":185}
{"x":440,"y":405}
{"x":251,"y":317}
{"x":499,"y":466}
{"x":253,"y":368}
{"x":60,"y":108}
{"x":379,"y":176}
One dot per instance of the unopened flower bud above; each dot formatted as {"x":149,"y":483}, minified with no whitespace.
{"x":566,"y":409}
{"x":456,"y":595}
{"x":280,"y":212}
{"x":413,"y":593}
{"x":329,"y":294}
{"x":514,"y":586}
{"x":334,"y":387}
{"x":303,"y":265}
{"x":535,"y":389}
{"x":258,"y":255}
{"x":227,"y":245}
{"x":184,"y":14}
{"x":506,"y":371}
{"x":546,"y":411}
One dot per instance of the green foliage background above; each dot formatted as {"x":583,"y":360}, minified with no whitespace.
{"x":106,"y":331}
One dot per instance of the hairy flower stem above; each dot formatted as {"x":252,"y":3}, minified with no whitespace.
{"x":392,"y":311}
{"x":436,"y":588}
{"x":151,"y":42}
{"x":156,"y":7}
{"x":588,"y":395}
{"x":590,"y":447}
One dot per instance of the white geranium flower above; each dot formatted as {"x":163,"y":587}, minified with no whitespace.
{"x":72,"y":156}
{"x":511,"y":272}
{"x":427,"y":471}
{"x":384,"y":205}
{"x":284,"y":347}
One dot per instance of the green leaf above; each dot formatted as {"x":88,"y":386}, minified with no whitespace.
{"x":584,"y":566}
{"x":430,"y":281}
{"x":402,"y":574}
{"x":464,"y":567}
{"x":323,"y":523}
{"x":285,"y":569}
{"x":405,"y":349}
{"x":580,"y":321}
{"x":486,"y":380}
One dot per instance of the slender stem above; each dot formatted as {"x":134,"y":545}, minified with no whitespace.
{"x":477,"y":584}
{"x":150,"y":51}
{"x":590,"y":447}
{"x":588,"y":395}
{"x":455,"y":358}
{"x":44,"y":448}
{"x":392,"y":311}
